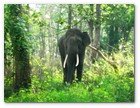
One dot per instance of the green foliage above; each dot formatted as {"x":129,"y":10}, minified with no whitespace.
{"x":41,"y":28}
{"x":101,"y":83}
{"x":117,"y":21}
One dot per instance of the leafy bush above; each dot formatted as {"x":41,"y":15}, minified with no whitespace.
{"x":101,"y":83}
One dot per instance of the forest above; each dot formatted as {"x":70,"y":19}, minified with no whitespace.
{"x":33,"y":71}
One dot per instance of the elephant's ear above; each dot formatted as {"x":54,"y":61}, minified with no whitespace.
{"x":85,"y":38}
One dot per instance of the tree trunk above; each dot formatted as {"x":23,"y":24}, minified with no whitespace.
{"x":81,"y":22}
{"x":57,"y":38}
{"x":42,"y":42}
{"x":57,"y":34}
{"x":21,"y":56}
{"x":91,"y":28}
{"x":69,"y":15}
{"x":114,"y":37}
{"x":96,"y":42}
{"x":90,"y":23}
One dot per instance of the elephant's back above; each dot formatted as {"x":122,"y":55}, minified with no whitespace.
{"x":73,"y":32}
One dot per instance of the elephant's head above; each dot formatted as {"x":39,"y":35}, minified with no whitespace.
{"x":75,"y":44}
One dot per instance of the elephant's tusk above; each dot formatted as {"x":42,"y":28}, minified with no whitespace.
{"x":77,"y":60}
{"x":64,"y":64}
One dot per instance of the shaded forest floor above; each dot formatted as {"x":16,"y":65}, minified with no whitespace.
{"x":101,"y":83}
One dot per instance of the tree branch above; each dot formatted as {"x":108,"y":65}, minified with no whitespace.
{"x":112,"y":63}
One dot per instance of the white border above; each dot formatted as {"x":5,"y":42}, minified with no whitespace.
{"x":70,"y":1}
{"x":86,"y":105}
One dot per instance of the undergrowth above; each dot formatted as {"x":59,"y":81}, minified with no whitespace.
{"x":101,"y":83}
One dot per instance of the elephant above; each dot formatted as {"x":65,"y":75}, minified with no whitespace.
{"x":72,"y":51}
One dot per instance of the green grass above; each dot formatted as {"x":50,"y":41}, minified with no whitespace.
{"x":101,"y":83}
{"x":109,"y":89}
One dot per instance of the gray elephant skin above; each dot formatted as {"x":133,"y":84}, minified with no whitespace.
{"x":72,"y":51}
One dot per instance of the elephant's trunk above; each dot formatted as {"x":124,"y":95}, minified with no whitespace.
{"x":77,"y":60}
{"x":64,"y":64}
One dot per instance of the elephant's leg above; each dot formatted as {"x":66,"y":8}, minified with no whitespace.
{"x":79,"y":71}
{"x":65,"y":74}
{"x":64,"y":69}
{"x":62,"y":54}
{"x":73,"y":76}
{"x":80,"y":68}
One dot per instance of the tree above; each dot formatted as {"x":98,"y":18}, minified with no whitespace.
{"x":96,"y":42}
{"x":17,"y":29}
{"x":95,"y":22}
{"x":117,"y":21}
{"x":69,"y":15}
{"x":91,"y":22}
